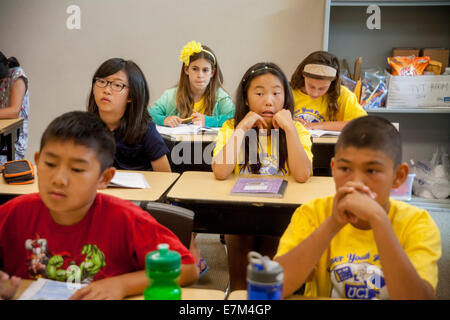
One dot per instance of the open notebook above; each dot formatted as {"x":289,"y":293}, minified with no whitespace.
{"x":186,"y":129}
{"x":45,"y":289}
{"x":129,"y":180}
{"x":320,"y":133}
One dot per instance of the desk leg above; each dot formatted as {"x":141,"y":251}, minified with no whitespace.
{"x":10,"y":146}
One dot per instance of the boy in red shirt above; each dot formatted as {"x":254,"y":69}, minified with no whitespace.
{"x":69,"y":232}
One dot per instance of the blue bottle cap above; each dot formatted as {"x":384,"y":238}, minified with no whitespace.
{"x":262,"y":270}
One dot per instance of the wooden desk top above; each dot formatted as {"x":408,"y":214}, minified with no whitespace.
{"x":202,"y":186}
{"x":213,"y":137}
{"x":8,"y":124}
{"x":327,"y":140}
{"x":186,"y":293}
{"x":159,"y":183}
{"x":242,"y":295}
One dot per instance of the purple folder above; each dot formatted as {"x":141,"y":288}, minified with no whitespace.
{"x":273,"y":188}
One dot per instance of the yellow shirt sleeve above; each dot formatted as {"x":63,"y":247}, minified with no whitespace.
{"x":349,"y":108}
{"x":420,"y":238}
{"x":225,"y":132}
{"x":305,"y":220}
{"x":305,"y":139}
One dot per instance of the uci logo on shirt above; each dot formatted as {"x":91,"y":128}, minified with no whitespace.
{"x":355,"y":291}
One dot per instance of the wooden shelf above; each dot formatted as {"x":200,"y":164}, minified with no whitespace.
{"x":409,"y":110}
{"x":431,"y":204}
{"x":347,"y":3}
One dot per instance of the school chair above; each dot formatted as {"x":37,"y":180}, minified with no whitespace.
{"x":179,"y":220}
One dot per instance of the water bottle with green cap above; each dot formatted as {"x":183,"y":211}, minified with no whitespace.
{"x":264,"y":278}
{"x":163,"y":269}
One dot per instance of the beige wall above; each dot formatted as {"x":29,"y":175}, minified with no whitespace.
{"x":61,"y":62}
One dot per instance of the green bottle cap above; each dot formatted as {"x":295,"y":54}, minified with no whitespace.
{"x":163,"y":259}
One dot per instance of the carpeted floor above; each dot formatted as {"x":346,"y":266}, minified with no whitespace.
{"x":213,"y":251}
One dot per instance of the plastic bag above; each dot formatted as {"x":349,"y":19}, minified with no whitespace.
{"x":347,"y":82}
{"x":408,"y":66}
{"x":374,"y":89}
{"x":432,"y":177}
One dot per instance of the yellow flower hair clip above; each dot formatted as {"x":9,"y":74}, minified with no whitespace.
{"x":189,"y":49}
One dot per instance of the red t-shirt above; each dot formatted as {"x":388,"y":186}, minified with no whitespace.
{"x":113,"y":238}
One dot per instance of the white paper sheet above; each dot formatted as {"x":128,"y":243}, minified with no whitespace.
{"x":129,"y":180}
{"x":320,"y":133}
{"x":44,"y":289}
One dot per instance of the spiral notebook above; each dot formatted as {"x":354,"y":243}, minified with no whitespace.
{"x":259,"y":187}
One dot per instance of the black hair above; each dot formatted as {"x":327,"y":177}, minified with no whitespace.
{"x":86,"y":129}
{"x":6,"y":64}
{"x":242,"y":108}
{"x":374,"y":133}
{"x":134,"y":123}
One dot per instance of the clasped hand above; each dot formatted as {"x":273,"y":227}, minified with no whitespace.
{"x":282,"y":119}
{"x":355,"y":203}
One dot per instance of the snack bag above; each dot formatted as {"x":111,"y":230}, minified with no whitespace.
{"x":408,"y":66}
{"x":373,"y":89}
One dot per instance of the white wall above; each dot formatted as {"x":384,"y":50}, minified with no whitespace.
{"x":60,"y":62}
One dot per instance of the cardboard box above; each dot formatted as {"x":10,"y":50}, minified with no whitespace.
{"x":418,"y":91}
{"x":438,"y":54}
{"x":402,"y":52}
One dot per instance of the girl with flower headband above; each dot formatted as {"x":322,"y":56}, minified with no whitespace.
{"x":264,"y":106}
{"x":321,"y":102}
{"x":199,"y":94}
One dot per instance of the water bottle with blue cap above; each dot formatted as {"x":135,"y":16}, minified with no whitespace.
{"x":264,"y":278}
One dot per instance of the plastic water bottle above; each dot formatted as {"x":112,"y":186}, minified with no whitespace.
{"x":163,"y":269}
{"x":264,"y":278}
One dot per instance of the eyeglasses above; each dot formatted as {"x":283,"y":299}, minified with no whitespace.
{"x":114,"y":85}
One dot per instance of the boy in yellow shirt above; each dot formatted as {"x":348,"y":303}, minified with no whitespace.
{"x":360,"y":243}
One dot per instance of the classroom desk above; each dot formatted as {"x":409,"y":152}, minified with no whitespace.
{"x":8,"y":136}
{"x":242,"y":295}
{"x":201,"y":146}
{"x":159,"y":183}
{"x":190,"y":152}
{"x":186,"y":293}
{"x":216,"y":211}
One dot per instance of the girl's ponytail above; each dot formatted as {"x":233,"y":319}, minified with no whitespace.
{"x":13,"y":62}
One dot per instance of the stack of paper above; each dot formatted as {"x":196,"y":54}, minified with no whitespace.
{"x":129,"y":180}
{"x":319,"y":133}
{"x":180,"y":129}
{"x":186,"y":129}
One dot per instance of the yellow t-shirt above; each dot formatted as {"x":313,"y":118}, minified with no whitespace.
{"x":200,"y":106}
{"x":267,"y":147}
{"x":315,"y":110}
{"x":350,"y":267}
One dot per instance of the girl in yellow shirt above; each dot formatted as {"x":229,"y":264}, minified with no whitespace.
{"x":321,"y":102}
{"x":264,"y":106}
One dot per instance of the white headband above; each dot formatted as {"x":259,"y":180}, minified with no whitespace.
{"x":320,"y":70}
